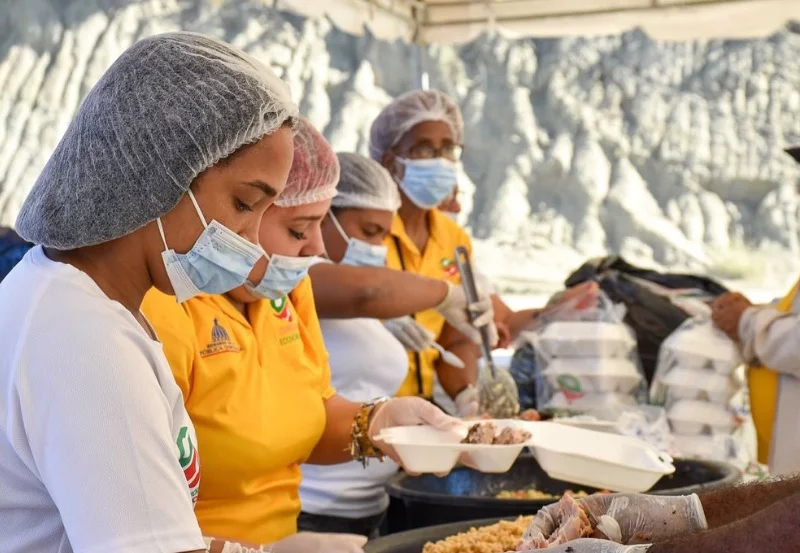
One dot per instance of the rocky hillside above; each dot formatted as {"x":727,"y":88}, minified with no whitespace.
{"x":669,"y":153}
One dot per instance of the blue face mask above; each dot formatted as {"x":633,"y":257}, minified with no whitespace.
{"x":219,"y":261}
{"x":428,"y":182}
{"x":283,"y":275}
{"x":358,"y":252}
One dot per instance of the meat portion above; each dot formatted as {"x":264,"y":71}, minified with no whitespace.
{"x":571,"y":524}
{"x":486,"y":433}
{"x":480,"y":433}
{"x":512,"y":436}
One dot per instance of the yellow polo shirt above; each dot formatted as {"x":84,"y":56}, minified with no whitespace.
{"x":437,"y":260}
{"x":255,"y":391}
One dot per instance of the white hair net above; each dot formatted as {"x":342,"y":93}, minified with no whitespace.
{"x":171,"y":106}
{"x":315,"y":169}
{"x":365,"y":184}
{"x":409,"y":110}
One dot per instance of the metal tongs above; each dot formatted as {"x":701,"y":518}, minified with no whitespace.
{"x":498,"y":394}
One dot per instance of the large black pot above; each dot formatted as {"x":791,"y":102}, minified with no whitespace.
{"x":465,"y":494}
{"x":414,"y":540}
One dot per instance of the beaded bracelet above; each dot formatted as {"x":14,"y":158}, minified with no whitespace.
{"x":361,"y":447}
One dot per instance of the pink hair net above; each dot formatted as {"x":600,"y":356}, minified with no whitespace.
{"x":315,"y":169}
{"x":409,"y":110}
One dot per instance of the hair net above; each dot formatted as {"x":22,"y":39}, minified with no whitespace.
{"x":169,"y":107}
{"x":315,"y":169}
{"x":365,"y":184}
{"x":409,"y":110}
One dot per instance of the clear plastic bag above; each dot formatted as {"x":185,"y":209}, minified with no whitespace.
{"x":586,"y":357}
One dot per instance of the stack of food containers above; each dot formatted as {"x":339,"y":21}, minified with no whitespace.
{"x":587,"y":364}
{"x":699,"y":380}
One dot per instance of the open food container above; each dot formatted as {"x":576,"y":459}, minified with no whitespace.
{"x":593,"y":375}
{"x":597,"y":459}
{"x":424,"y":449}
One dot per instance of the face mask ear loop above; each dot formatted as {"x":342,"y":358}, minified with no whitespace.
{"x":197,"y":208}
{"x":161,"y":231}
{"x":338,"y":226}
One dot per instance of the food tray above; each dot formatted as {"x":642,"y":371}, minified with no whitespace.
{"x":597,"y":459}
{"x":702,"y":347}
{"x":593,"y":375}
{"x":424,"y":449}
{"x":585,"y":339}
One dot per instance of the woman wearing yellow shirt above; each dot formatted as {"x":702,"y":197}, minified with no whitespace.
{"x":255,"y":379}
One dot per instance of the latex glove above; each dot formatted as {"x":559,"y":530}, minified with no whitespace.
{"x":406,"y":411}
{"x":312,"y":542}
{"x":456,"y":311}
{"x":588,"y":545}
{"x":467,"y":402}
{"x":641,"y":518}
{"x":410,"y":333}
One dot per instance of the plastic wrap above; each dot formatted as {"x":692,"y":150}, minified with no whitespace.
{"x":585,"y":356}
{"x":700,"y":382}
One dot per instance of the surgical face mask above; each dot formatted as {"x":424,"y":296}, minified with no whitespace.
{"x":219,"y":261}
{"x":358,"y":252}
{"x":283,"y":275}
{"x":428,"y":182}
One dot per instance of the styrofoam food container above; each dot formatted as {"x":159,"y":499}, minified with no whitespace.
{"x":585,"y":339}
{"x":588,"y":402}
{"x":424,"y":449}
{"x":692,"y":417}
{"x":597,"y":459}
{"x":703,"y":347}
{"x":682,"y":383}
{"x":593,"y":374}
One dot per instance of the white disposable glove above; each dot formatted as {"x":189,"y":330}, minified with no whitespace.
{"x":588,"y":545}
{"x":467,"y":402}
{"x":407,"y":411}
{"x":456,"y":311}
{"x":410,"y":333}
{"x":641,"y":518}
{"x":312,"y":542}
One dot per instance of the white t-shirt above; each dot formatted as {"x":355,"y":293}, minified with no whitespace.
{"x":96,"y":448}
{"x":367,"y":362}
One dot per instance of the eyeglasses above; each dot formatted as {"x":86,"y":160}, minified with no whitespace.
{"x":427,"y":151}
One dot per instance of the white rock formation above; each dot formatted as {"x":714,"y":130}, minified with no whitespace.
{"x":667,"y":153}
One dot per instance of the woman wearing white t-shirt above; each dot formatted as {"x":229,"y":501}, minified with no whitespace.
{"x":366,"y":360}
{"x":160,"y":180}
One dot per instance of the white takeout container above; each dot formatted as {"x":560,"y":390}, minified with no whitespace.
{"x":585,"y":339}
{"x":692,"y":417}
{"x":597,"y":459}
{"x":703,"y":384}
{"x":587,"y":402}
{"x":424,"y":449}
{"x":703,"y":347}
{"x":593,"y":375}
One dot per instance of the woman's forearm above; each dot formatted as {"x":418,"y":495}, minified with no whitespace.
{"x":730,"y":504}
{"x":772,"y":529}
{"x":334,"y":446}
{"x":345,"y":292}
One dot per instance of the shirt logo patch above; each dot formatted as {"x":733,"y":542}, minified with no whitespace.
{"x":220,"y":342}
{"x":449,"y":267}
{"x":190,"y":462}
{"x":280,"y":309}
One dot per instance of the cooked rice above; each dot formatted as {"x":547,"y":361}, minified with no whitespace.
{"x":497,"y":538}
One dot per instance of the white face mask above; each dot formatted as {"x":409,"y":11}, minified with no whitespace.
{"x":358,"y":252}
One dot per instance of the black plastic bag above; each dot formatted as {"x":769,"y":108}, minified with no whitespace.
{"x":651,"y":317}
{"x":597,"y":267}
